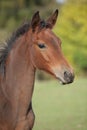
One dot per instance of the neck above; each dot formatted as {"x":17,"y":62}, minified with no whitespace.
{"x":20,"y":75}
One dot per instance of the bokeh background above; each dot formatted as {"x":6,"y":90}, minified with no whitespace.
{"x":56,"y":107}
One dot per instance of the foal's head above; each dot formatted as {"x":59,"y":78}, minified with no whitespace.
{"x":46,"y":51}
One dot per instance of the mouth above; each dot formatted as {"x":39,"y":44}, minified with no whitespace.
{"x":61,"y":81}
{"x":65,"y":77}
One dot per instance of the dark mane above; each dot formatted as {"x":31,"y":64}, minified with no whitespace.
{"x":44,"y":24}
{"x":6,"y":47}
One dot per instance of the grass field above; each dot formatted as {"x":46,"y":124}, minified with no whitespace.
{"x":60,"y":107}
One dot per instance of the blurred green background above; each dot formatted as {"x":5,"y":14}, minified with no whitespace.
{"x":71,"y":26}
{"x":56,"y":107}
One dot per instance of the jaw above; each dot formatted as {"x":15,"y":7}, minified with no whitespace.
{"x":61,"y":80}
{"x":64,"y":77}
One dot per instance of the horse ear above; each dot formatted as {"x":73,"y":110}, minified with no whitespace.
{"x":52,"y":19}
{"x":35,"y":20}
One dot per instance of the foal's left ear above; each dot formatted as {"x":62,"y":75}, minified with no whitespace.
{"x":52,"y":19}
{"x":35,"y":20}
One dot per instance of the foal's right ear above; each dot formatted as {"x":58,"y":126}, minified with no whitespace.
{"x":35,"y":20}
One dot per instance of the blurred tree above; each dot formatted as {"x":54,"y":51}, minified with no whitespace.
{"x":19,"y":8}
{"x":77,"y":1}
{"x":21,"y":3}
{"x":42,"y":2}
{"x":72,"y":27}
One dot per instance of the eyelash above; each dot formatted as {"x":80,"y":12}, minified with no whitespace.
{"x":41,"y":46}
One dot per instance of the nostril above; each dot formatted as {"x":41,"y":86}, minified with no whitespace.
{"x":65,"y":73}
{"x":68,"y":76}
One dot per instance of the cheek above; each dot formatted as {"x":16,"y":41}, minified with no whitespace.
{"x":37,"y":58}
{"x":46,"y":56}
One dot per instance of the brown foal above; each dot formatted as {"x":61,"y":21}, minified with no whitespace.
{"x":32,"y":46}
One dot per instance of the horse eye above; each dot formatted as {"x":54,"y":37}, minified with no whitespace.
{"x":41,"y":46}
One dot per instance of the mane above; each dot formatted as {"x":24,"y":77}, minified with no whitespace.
{"x":6,"y":47}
